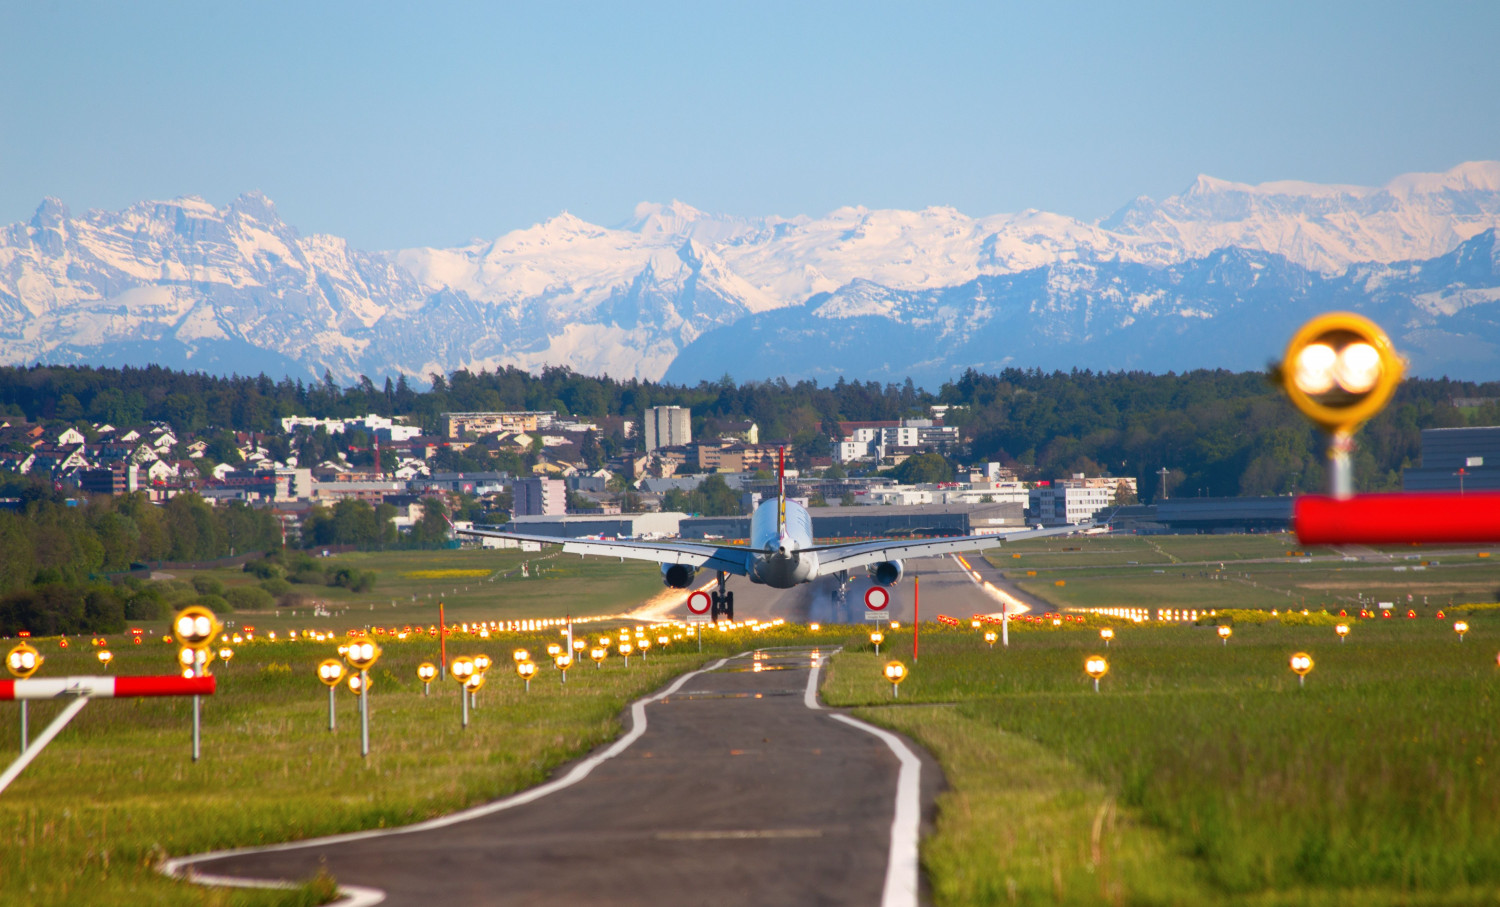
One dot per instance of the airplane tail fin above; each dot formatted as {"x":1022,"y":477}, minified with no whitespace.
{"x":781,"y":492}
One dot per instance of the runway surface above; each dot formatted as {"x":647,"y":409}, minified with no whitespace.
{"x":946,"y":588}
{"x":740,"y":791}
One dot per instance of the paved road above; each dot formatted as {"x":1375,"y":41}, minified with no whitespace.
{"x":737,"y":792}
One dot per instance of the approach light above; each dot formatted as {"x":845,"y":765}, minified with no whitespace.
{"x":462,"y":668}
{"x":876,"y":638}
{"x":895,"y":672}
{"x":1106,"y":634}
{"x":427,"y":672}
{"x":1461,"y":627}
{"x":359,"y":683}
{"x":1339,"y":370}
{"x":598,"y":654}
{"x":226,"y":655}
{"x":196,"y":627}
{"x":331,"y":671}
{"x":1302,"y":663}
{"x":482,"y":663}
{"x":1096,"y":667}
{"x":1225,"y":632}
{"x":362,"y":654}
{"x":105,"y":657}
{"x":521,"y":655}
{"x":526,"y":670}
{"x":23,"y":661}
{"x":1342,"y":630}
{"x":815,"y":627}
{"x":990,"y":636}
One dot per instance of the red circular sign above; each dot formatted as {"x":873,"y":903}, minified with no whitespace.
{"x":877,"y":598}
{"x":699,"y":602}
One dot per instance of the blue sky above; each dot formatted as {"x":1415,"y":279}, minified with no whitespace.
{"x":428,"y":124}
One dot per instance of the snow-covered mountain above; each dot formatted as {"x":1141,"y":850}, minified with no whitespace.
{"x":1233,"y":308}
{"x":187,"y":284}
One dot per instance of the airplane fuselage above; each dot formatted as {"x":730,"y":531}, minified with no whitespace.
{"x":776,"y":557}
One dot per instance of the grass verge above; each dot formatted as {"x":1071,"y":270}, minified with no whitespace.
{"x":1373,"y":785}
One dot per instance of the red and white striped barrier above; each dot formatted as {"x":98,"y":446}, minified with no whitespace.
{"x":105,"y":687}
{"x":77,"y":691}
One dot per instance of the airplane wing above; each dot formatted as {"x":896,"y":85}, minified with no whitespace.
{"x":728,"y":558}
{"x":860,"y":554}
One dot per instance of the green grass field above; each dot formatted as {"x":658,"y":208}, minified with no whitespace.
{"x":1240,"y":571}
{"x":1202,"y":774}
{"x":473,"y":586}
{"x":90,"y":818}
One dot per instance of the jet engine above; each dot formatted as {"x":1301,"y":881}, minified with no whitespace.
{"x":678,"y":576}
{"x":886,"y":573}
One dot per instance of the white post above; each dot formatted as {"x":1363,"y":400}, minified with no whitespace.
{"x":1341,"y":465}
{"x":1005,"y":625}
{"x":332,"y":721}
{"x":364,"y":713}
{"x":197,"y":709}
{"x":23,"y":726}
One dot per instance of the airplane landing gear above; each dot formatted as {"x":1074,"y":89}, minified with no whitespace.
{"x":721,"y":601}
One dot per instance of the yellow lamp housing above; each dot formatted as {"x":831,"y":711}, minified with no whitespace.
{"x":894,"y":671}
{"x":427,"y":672}
{"x":1302,"y":663}
{"x":362,"y":654}
{"x":23,"y":661}
{"x":196,"y":627}
{"x":1095,"y":666}
{"x":599,"y":653}
{"x":1339,"y":370}
{"x":526,"y":669}
{"x":482,"y":663}
{"x":521,"y":655}
{"x":563,"y":661}
{"x":462,"y":668}
{"x":331,"y":671}
{"x":475,"y":683}
{"x":358,"y":685}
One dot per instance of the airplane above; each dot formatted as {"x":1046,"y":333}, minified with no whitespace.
{"x":781,"y":553}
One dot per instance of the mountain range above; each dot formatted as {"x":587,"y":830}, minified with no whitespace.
{"x":1217,"y":276}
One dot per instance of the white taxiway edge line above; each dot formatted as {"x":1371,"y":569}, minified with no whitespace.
{"x":355,"y":896}
{"x":901,"y":867}
{"x":901,"y":870}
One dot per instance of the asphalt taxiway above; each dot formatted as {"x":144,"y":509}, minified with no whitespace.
{"x":732,"y":786}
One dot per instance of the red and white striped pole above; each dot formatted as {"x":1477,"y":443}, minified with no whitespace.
{"x":80,"y":690}
{"x":105,"y":687}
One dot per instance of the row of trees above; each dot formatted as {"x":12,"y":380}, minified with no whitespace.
{"x":1217,"y":432}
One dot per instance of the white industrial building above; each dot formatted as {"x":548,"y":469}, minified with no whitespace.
{"x":668,"y":426}
{"x":1064,"y":503}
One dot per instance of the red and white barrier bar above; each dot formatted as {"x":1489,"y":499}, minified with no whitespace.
{"x":1398,"y":518}
{"x":77,"y":691}
{"x":105,"y":687}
